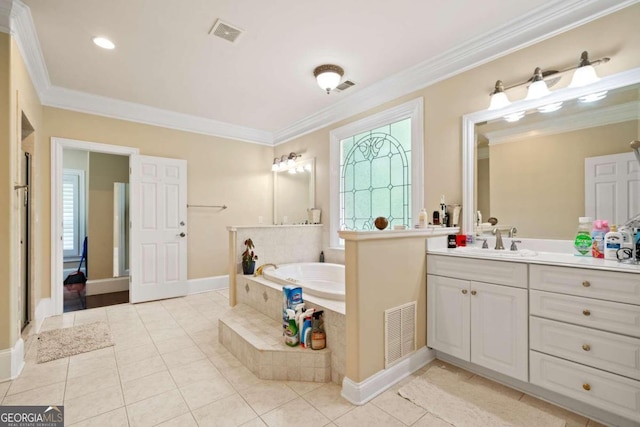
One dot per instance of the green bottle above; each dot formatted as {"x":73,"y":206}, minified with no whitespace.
{"x":291,"y":337}
{"x":583,"y":240}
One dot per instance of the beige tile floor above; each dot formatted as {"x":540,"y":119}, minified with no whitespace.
{"x":167,"y":368}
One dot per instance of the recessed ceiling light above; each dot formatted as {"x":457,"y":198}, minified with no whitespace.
{"x":104,"y":43}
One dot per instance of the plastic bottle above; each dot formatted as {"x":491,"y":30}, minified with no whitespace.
{"x":583,"y":241}
{"x":597,"y":239}
{"x":291,"y":332}
{"x":321,"y":256}
{"x":422,"y":219}
{"x":613,"y":241}
{"x":318,"y":336}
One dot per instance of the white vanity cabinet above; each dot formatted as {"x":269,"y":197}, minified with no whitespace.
{"x":585,"y":336}
{"x":477,"y":312}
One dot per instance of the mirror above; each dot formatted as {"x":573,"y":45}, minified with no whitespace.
{"x":532,"y":174}
{"x":120,"y":229}
{"x":294,"y":192}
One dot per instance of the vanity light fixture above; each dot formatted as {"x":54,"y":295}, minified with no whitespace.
{"x":285,"y":162}
{"x":498,"y":97}
{"x":585,"y":74}
{"x":328,"y":76}
{"x":104,"y":43}
{"x":538,"y":88}
{"x":275,"y":165}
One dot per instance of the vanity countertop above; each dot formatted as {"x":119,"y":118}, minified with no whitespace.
{"x":538,"y":257}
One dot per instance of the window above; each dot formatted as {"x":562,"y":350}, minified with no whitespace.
{"x":73,"y":212}
{"x":376,"y":170}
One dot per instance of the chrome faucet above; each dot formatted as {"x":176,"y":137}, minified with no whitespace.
{"x":499,"y":244}
{"x":512,"y":232}
{"x":262,"y":267}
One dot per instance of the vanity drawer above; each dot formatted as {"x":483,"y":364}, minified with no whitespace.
{"x":593,"y":313}
{"x":478,"y":270}
{"x":601,"y":389}
{"x":606,"y":285}
{"x":604,"y":350}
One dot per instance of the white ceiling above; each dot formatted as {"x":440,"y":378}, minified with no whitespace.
{"x":165,"y":58}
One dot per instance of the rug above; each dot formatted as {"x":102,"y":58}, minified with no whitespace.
{"x":461,"y":403}
{"x":59,"y":343}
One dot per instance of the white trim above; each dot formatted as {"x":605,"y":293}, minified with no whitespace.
{"x":57,"y":147}
{"x":107,"y":286}
{"x":614,"y":81}
{"x":409,"y":110}
{"x":43,"y":310}
{"x":362,"y":392}
{"x":206,"y":284}
{"x":583,"y":120}
{"x":541,"y":23}
{"x":12,"y":361}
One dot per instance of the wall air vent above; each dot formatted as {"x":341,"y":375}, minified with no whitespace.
{"x":399,"y":332}
{"x":344,"y":85}
{"x":225,"y":31}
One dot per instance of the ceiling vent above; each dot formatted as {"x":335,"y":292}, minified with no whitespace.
{"x":225,"y":31}
{"x":344,"y":85}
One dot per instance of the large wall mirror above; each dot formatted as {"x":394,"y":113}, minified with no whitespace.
{"x":542,"y":172}
{"x":294,"y":192}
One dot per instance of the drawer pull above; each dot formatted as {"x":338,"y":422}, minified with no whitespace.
{"x":464,"y":291}
{"x":473,"y":292}
{"x":586,"y":284}
{"x":586,"y":312}
{"x":586,"y":347}
{"x":586,"y":386}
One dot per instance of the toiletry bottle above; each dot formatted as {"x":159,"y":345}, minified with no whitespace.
{"x":422,"y":219}
{"x":321,"y":256}
{"x":597,"y":239}
{"x":291,"y":332}
{"x":583,"y":241}
{"x":443,"y":211}
{"x":613,"y":241}
{"x":436,"y":218}
{"x":318,"y":336}
{"x":627,"y":237}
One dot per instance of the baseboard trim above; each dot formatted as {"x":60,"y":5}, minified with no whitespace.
{"x":107,"y":286}
{"x":12,"y":361}
{"x":206,"y":284}
{"x":362,"y":392}
{"x":43,"y":310}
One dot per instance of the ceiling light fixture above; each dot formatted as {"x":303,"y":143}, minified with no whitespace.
{"x":328,"y":76}
{"x":104,"y":43}
{"x":539,"y":84}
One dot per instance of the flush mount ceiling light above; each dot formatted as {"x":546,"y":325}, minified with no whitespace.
{"x":104,"y":43}
{"x":328,"y":76}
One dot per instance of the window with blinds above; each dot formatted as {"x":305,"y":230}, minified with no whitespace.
{"x":72,"y":212}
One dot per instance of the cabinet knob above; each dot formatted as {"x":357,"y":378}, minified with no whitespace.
{"x":586,"y":386}
{"x":586,"y":284}
{"x":586,"y":312}
{"x":473,"y":292}
{"x":464,"y":291}
{"x":586,"y":347}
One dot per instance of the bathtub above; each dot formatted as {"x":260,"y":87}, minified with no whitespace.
{"x":323,"y":280}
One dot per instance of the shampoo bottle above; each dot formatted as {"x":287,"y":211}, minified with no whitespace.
{"x":613,"y":241}
{"x":422,"y":219}
{"x":583,"y":241}
{"x":597,"y":239}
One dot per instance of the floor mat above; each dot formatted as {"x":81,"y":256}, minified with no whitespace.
{"x":59,"y":343}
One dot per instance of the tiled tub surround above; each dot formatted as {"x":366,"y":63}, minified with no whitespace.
{"x":266,"y":297}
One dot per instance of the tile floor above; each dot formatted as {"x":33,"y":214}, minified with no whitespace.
{"x":167,"y":368}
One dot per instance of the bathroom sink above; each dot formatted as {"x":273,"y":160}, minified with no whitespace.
{"x":504,"y":253}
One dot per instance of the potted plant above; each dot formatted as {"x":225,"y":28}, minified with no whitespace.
{"x":248,"y":257}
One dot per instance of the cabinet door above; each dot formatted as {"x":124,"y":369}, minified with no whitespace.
{"x":448,"y":316}
{"x":499,"y":332}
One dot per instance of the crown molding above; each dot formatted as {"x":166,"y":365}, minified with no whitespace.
{"x":569,"y":123}
{"x":542,"y":23}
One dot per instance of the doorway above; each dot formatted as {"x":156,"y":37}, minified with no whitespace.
{"x":24,"y":185}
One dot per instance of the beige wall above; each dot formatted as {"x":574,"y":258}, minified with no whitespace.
{"x":542,"y":194}
{"x":104,"y":170}
{"x":381,"y":274}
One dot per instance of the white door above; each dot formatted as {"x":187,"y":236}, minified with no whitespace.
{"x":158,"y":228}
{"x":499,"y":339}
{"x":612,"y":187}
{"x":448,"y":323}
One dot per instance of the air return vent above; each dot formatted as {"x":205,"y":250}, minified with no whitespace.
{"x":225,"y":31}
{"x":399,"y":332}
{"x":344,"y":85}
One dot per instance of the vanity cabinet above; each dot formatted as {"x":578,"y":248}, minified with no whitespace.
{"x":585,"y":336}
{"x":477,"y":312}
